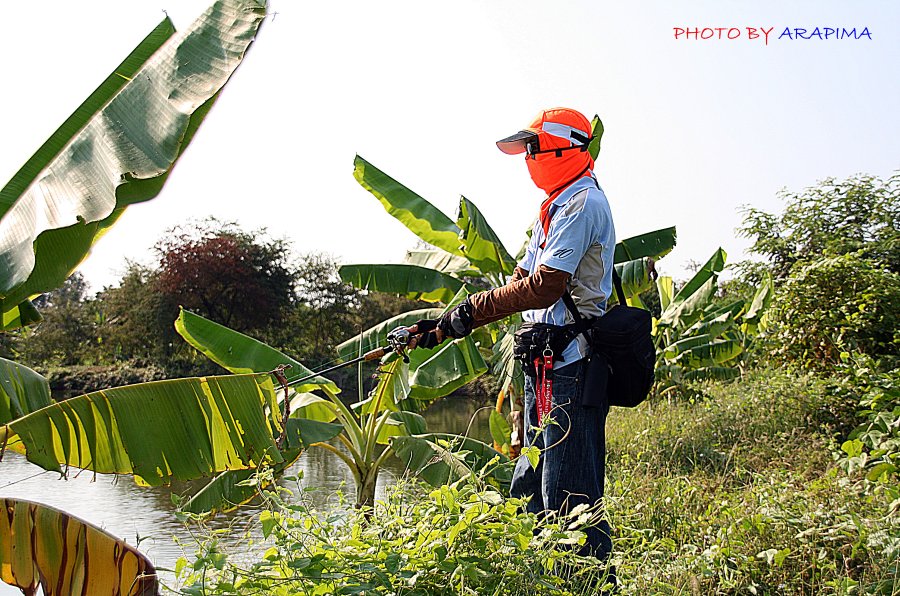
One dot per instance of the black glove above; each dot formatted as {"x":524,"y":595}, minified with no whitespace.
{"x":455,"y":324}
{"x":458,"y":322}
{"x":427,"y":338}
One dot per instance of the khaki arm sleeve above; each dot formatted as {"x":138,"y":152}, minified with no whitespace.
{"x":523,"y":292}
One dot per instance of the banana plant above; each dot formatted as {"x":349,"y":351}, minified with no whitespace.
{"x":43,"y":547}
{"x":363,"y":430}
{"x":698,"y":339}
{"x":466,"y":250}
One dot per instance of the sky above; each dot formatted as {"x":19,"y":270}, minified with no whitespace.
{"x":695,"y":129}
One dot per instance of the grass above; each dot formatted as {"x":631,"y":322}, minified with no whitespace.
{"x":736,"y":492}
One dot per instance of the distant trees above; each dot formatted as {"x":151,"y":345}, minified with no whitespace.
{"x":239,"y":279}
{"x":245,"y":280}
{"x":861,"y":213}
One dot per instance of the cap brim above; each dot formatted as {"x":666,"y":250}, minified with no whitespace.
{"x":515,"y":144}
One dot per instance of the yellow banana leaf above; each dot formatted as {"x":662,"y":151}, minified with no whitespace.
{"x":42,"y":546}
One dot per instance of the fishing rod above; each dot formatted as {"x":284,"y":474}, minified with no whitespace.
{"x":397,"y":340}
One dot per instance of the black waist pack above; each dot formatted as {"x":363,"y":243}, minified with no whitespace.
{"x":532,"y":339}
{"x":622,"y":336}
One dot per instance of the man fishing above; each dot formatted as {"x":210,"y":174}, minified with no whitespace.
{"x":569,"y":259}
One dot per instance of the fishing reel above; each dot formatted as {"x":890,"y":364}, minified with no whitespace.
{"x":398,"y":340}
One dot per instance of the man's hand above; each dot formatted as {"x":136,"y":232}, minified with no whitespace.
{"x":426,"y":334}
{"x":457,"y":323}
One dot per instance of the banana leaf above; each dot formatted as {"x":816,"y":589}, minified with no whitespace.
{"x":421,"y":217}
{"x":46,"y":547}
{"x":713,"y":327}
{"x":688,"y":310}
{"x":715,"y":320}
{"x":480,"y":243}
{"x":239,"y":353}
{"x":440,"y":458}
{"x":376,"y":336}
{"x":761,"y":301}
{"x":687,"y":305}
{"x":442,"y":370}
{"x":21,"y":315}
{"x":666,"y":288}
{"x":401,"y":424}
{"x":597,"y":134}
{"x":416,"y":283}
{"x":654,"y":244}
{"x":22,"y":391}
{"x":200,"y":426}
{"x":503,"y":364}
{"x":636,"y":276}
{"x":390,"y":391}
{"x":233,"y":488}
{"x":712,"y":353}
{"x":679,"y":347}
{"x":636,"y":302}
{"x":440,"y":260}
{"x":312,"y":407}
{"x":117,"y":148}
{"x":501,"y":432}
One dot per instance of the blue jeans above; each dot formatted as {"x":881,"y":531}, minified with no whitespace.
{"x":571,"y":469}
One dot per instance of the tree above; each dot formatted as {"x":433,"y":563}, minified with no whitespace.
{"x":68,"y":332}
{"x":239,"y":279}
{"x":861,"y":213}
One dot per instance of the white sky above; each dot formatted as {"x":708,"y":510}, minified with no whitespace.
{"x":694,"y":129}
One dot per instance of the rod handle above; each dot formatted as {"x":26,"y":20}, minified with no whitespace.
{"x":376,"y":353}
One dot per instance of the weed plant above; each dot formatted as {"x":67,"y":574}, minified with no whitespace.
{"x":464,"y":538}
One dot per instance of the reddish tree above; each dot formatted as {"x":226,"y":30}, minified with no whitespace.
{"x":237,"y":279}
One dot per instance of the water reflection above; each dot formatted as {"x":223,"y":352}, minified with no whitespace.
{"x":146,"y":515}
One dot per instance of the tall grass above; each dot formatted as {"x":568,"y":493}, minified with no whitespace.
{"x":737,"y":492}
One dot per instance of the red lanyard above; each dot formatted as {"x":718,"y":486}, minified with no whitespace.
{"x":543,"y":390}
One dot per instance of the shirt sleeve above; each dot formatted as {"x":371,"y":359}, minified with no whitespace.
{"x":568,"y":239}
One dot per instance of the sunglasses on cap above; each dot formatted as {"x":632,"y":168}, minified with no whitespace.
{"x":533,"y":148}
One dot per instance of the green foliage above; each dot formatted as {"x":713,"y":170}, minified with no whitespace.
{"x":465,"y":539}
{"x":837,"y":304}
{"x":236,"y":278}
{"x":736,"y":493}
{"x":700,"y":336}
{"x":67,"y":333}
{"x":872,"y":449}
{"x":859,"y":214}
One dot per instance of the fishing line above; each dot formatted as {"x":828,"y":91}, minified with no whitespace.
{"x":24,"y":479}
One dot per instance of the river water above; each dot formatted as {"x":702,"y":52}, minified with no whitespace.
{"x":146,"y":515}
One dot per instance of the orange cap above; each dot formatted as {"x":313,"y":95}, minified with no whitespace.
{"x":556,"y":128}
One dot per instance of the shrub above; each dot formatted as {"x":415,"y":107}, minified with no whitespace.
{"x":835,"y":305}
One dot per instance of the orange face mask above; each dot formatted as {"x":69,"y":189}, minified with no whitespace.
{"x":552,"y":174}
